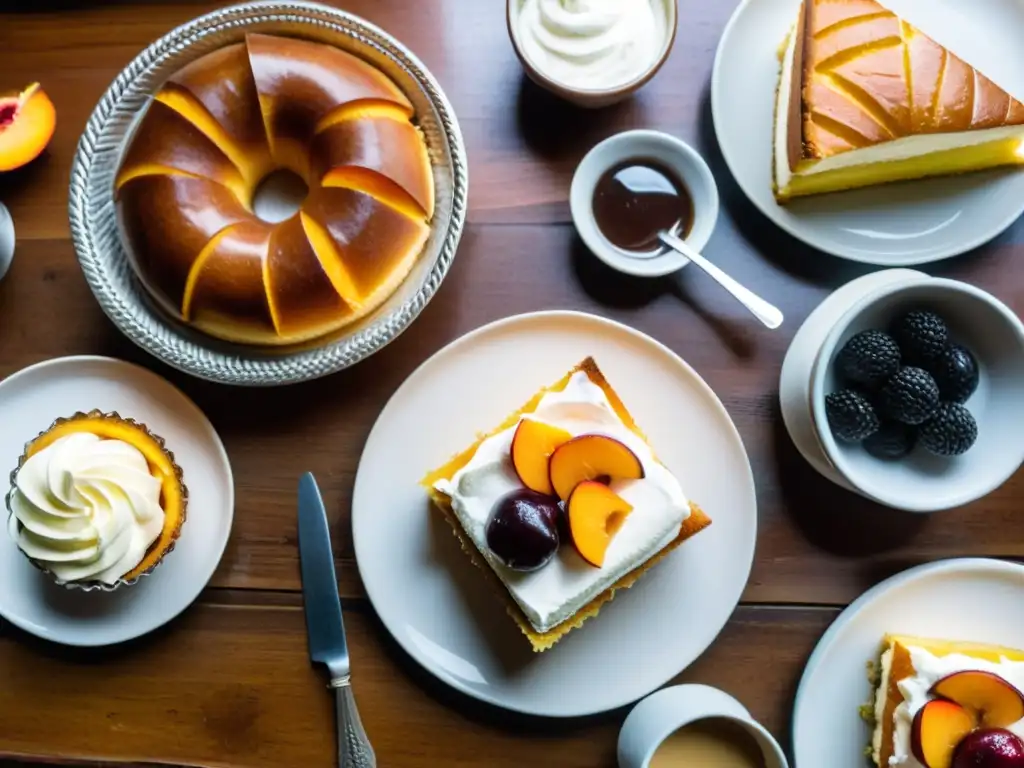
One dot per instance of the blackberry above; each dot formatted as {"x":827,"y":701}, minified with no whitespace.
{"x":956,"y":373}
{"x":951,"y":431}
{"x":922,"y":337}
{"x":893,"y":440}
{"x":850,"y":415}
{"x":911,"y":396}
{"x":869,"y":358}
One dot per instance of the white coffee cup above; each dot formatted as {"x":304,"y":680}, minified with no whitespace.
{"x":663,"y":713}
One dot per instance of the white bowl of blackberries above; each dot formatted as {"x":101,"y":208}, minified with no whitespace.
{"x":918,"y":395}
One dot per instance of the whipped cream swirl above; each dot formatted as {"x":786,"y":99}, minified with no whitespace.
{"x":86,"y":508}
{"x":592,"y":44}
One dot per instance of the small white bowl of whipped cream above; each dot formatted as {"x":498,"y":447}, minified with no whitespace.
{"x":592,"y":52}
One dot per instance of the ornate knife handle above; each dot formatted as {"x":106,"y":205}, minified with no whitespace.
{"x":354,"y":750}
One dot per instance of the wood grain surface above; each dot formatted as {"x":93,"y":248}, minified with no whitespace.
{"x":229,"y":683}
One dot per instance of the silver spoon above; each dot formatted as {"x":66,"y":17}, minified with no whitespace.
{"x":767,"y":313}
{"x":6,"y":240}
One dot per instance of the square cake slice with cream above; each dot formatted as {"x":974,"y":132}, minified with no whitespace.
{"x":563,"y":504}
{"x":947,"y":704}
{"x":865,"y":98}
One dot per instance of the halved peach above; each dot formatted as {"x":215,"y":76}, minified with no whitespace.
{"x":994,"y":702}
{"x":589,"y":457}
{"x":938,"y":728}
{"x":532,"y":446}
{"x":596,"y":513}
{"x":27,"y":121}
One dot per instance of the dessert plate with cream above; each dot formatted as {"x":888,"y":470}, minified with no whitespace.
{"x":602,"y":507}
{"x":924,"y":669}
{"x":888,"y":132}
{"x":119,"y":501}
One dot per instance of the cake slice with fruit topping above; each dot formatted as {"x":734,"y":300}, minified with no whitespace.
{"x":943,"y":704}
{"x":563,"y":504}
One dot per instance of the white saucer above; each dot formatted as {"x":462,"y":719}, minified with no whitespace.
{"x":437,"y":605}
{"x":891,"y":225}
{"x":795,"y":379}
{"x":969,"y":599}
{"x":30,"y":400}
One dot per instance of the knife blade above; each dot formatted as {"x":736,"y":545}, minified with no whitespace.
{"x":324,"y":625}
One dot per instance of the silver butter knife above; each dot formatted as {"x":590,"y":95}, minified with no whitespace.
{"x":324,"y":624}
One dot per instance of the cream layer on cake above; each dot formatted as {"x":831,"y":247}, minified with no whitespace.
{"x":948,"y":152}
{"x":928,"y":670}
{"x":552,"y":594}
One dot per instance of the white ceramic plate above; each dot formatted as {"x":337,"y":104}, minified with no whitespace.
{"x":30,"y":400}
{"x":969,"y":599}
{"x":892,"y":225}
{"x":436,"y":603}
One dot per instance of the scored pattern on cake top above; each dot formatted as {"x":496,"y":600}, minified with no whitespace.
{"x":871,"y":77}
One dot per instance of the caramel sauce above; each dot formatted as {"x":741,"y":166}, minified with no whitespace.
{"x":637,"y":199}
{"x":712,"y":743}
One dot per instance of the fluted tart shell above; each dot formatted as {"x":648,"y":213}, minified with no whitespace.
{"x":173,"y":492}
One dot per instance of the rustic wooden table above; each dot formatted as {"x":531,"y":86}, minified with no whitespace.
{"x":229,"y":682}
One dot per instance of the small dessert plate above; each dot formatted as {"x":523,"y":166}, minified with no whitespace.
{"x":890,"y":225}
{"x":440,"y":608}
{"x":965,"y":599}
{"x":29,"y":402}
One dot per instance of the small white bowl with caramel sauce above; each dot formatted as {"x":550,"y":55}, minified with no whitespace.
{"x":632,"y":185}
{"x":691,"y":725}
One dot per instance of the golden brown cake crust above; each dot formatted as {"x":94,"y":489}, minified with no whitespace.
{"x":869,"y":77}
{"x":542,"y":641}
{"x":795,"y":124}
{"x":215,"y":130}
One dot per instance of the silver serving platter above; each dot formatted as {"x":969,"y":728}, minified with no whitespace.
{"x":101,"y":248}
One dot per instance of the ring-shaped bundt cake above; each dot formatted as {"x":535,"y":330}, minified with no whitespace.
{"x":223,"y":123}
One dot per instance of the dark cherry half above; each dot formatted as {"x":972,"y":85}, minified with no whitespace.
{"x":523,"y":531}
{"x":989,"y":748}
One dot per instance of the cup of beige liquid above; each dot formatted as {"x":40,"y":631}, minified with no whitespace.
{"x":695,"y":726}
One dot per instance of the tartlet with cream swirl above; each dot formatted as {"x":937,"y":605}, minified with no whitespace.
{"x":97,"y":501}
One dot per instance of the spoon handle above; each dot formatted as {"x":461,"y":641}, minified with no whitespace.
{"x":767,"y":313}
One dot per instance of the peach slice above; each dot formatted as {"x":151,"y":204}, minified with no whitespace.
{"x":590,"y":457}
{"x":27,"y":121}
{"x":596,"y":513}
{"x":994,"y":702}
{"x":532,"y":446}
{"x":938,"y":728}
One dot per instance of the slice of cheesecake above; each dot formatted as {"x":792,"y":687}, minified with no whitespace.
{"x":914,"y":671}
{"x":864,"y":98}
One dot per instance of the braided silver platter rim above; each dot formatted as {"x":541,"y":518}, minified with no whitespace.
{"x":101,"y":247}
